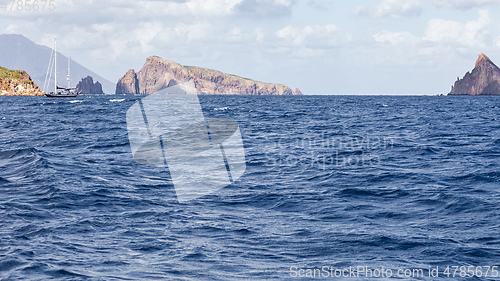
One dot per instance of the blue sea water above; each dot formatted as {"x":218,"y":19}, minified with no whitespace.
{"x":332,"y":183}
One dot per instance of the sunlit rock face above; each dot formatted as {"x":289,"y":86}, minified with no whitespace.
{"x":483,"y":80}
{"x":158,"y":73}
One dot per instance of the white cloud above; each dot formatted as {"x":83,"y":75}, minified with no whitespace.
{"x":144,"y":27}
{"x":236,"y":35}
{"x":464,"y":4}
{"x":391,"y":8}
{"x":286,"y":3}
{"x":321,"y":4}
{"x":272,"y":8}
{"x":193,"y":32}
{"x":395,"y":38}
{"x":439,"y":30}
{"x":317,"y":36}
{"x":308,"y":53}
{"x":244,"y":37}
{"x":472,"y":33}
{"x":260,"y":34}
{"x":267,"y":8}
{"x":146,"y":32}
{"x":212,"y":7}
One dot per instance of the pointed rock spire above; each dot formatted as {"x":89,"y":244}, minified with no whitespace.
{"x":482,"y":59}
{"x":484,"y":79}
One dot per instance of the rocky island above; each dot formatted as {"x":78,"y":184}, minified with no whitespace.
{"x":17,"y":83}
{"x":158,"y":73}
{"x":484,"y":80}
{"x":87,"y":86}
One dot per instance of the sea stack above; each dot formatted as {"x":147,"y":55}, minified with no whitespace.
{"x":158,"y":73}
{"x":88,"y":87}
{"x":484,"y":80}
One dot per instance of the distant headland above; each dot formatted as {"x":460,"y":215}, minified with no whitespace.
{"x":158,"y":73}
{"x":17,"y":83}
{"x":483,"y":80}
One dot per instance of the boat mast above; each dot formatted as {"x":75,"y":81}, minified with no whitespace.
{"x":69,"y":59}
{"x":55,"y":65}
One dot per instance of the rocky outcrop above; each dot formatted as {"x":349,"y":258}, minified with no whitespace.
{"x":128,"y":84}
{"x":17,"y":83}
{"x":158,"y":73}
{"x":87,"y":86}
{"x":484,"y":80}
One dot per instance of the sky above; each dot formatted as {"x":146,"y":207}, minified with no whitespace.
{"x":338,"y":47}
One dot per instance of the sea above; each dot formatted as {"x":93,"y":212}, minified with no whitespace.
{"x":335,"y":188}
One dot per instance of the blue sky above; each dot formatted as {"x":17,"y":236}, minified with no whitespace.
{"x":394,"y":47}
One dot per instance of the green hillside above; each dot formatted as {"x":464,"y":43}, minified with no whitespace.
{"x":10,"y":74}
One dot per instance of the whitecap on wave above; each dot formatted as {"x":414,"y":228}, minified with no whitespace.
{"x":220,"y":108}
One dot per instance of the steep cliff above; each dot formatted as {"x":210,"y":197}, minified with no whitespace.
{"x":128,"y":84}
{"x":17,"y":83}
{"x":483,"y":80}
{"x":87,"y":86}
{"x":158,"y":73}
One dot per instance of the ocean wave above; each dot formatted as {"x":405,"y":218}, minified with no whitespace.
{"x":75,"y":205}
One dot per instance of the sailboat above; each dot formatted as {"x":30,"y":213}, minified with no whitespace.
{"x":59,"y":92}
